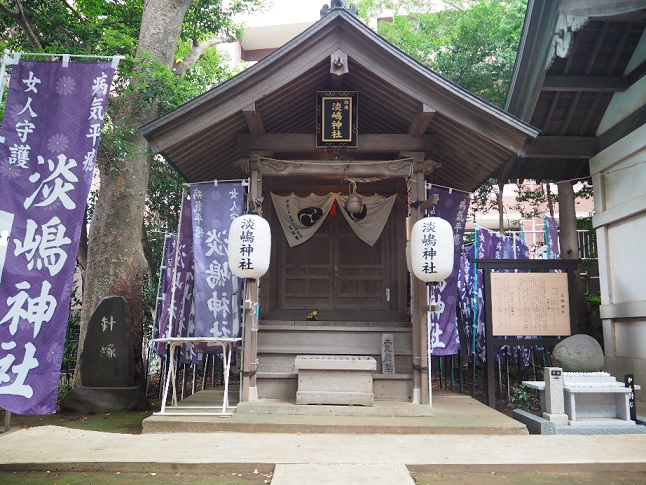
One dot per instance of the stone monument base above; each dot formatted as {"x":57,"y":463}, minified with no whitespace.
{"x":95,"y":400}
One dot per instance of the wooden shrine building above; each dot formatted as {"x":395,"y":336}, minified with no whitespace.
{"x":412,"y":125}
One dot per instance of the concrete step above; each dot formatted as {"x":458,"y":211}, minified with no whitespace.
{"x":320,"y":474}
{"x":450,"y":414}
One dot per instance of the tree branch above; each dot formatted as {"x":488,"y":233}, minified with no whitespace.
{"x":75,"y":12}
{"x":23,"y":19}
{"x":5,"y":9}
{"x":196,"y":52}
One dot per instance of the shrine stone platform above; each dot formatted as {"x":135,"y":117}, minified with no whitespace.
{"x":450,"y":414}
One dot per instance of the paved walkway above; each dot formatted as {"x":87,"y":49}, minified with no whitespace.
{"x":323,"y":458}
{"x":462,"y":435}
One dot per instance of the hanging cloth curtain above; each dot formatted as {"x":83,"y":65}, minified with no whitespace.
{"x":368,"y":223}
{"x":301,"y":217}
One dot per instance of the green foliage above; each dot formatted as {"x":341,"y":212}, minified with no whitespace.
{"x":206,"y":16}
{"x":101,"y":27}
{"x":585,"y":223}
{"x":585,"y":191}
{"x":482,"y":200}
{"x":593,"y":299}
{"x":472,"y":43}
{"x":523,"y":398}
{"x":81,"y":27}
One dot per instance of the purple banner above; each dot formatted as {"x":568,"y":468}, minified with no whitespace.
{"x":453,"y":207}
{"x":51,"y":130}
{"x":217,"y":290}
{"x":490,"y":245}
{"x":551,"y":229}
{"x":177,"y":303}
{"x":163,"y":306}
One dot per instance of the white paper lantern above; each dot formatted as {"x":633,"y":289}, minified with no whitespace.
{"x":432,"y":249}
{"x":249,"y":246}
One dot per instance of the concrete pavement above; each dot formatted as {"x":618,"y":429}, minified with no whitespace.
{"x":58,"y":448}
{"x":460,"y":435}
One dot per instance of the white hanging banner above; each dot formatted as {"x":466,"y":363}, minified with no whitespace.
{"x":301,"y":217}
{"x":368,"y":223}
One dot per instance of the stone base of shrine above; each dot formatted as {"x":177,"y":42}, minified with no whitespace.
{"x":94,"y":400}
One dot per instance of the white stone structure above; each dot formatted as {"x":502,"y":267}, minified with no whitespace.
{"x":619,"y":178}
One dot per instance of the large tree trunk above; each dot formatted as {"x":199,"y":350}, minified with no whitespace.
{"x":116,"y":265}
{"x":569,"y":245}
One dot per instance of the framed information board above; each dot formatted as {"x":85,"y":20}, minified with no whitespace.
{"x":534,"y":304}
{"x":526,"y":306}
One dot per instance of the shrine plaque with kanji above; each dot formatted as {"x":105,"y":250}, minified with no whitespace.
{"x":336,"y":119}
{"x":535,"y":304}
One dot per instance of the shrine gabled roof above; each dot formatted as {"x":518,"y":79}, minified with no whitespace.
{"x":271,"y":106}
{"x":573,"y":57}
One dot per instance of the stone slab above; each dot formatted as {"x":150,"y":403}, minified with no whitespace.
{"x":333,"y":474}
{"x":333,"y":397}
{"x":538,"y":425}
{"x":335,"y":380}
{"x":335,"y":362}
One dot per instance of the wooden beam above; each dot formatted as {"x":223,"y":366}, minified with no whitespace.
{"x":603,"y":84}
{"x":422,"y":118}
{"x":394,"y":168}
{"x":295,"y":143}
{"x":562,"y":147}
{"x":636,"y":74}
{"x":254,"y":120}
{"x":503,"y":175}
{"x":600,"y":8}
{"x":629,"y":124}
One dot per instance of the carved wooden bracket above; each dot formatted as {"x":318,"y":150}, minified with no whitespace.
{"x":339,"y":63}
{"x":563,"y":36}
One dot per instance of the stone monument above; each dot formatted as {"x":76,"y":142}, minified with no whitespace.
{"x":578,"y":353}
{"x":554,"y":401}
{"x":107,"y":363}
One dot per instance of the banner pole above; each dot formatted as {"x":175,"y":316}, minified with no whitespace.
{"x":429,"y":301}
{"x":7,"y":421}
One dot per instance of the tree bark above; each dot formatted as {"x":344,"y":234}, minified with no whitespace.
{"x":569,"y":245}
{"x":195,"y":53}
{"x":550,"y":202}
{"x":116,"y":264}
{"x":22,"y":17}
{"x":501,"y":210}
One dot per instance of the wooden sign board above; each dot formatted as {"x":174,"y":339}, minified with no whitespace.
{"x":336,"y":121}
{"x":534,"y":304}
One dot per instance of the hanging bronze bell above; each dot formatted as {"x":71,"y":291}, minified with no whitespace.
{"x":353,"y":204}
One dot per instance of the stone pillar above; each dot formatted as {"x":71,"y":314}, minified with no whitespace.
{"x":554,"y":398}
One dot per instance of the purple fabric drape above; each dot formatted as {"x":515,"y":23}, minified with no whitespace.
{"x":217,"y":290}
{"x":453,"y":207}
{"x":551,"y":237}
{"x":166,"y":287}
{"x":490,"y":245}
{"x":51,"y":130}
